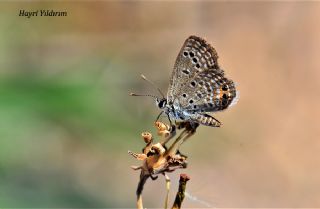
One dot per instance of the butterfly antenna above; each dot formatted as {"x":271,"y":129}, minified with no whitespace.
{"x":153,"y":84}
{"x":143,"y":95}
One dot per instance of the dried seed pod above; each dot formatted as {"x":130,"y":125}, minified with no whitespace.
{"x":164,"y":133}
{"x":159,"y":149}
{"x":138,"y":156}
{"x":161,"y":126}
{"x":163,"y":129}
{"x":147,"y":137}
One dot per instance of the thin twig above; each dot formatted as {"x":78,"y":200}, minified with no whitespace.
{"x":180,"y":194}
{"x":141,"y":184}
{"x":168,"y":190}
{"x":139,"y":202}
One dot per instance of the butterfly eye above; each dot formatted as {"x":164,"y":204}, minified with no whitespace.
{"x":162,"y":103}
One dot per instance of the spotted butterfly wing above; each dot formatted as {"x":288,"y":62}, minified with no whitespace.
{"x":188,"y":64}
{"x":197,"y":82}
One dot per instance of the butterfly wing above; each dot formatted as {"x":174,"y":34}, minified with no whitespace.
{"x":197,"y":81}
{"x":194,"y":57}
{"x":213,"y":92}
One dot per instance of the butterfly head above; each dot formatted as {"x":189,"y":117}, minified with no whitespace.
{"x":161,"y":103}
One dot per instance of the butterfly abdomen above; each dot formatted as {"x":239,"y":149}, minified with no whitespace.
{"x":206,"y":120}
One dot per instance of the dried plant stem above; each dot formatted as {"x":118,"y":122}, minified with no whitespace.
{"x":139,"y":202}
{"x":168,"y":190}
{"x":180,"y":194}
{"x":141,"y":184}
{"x":176,"y":144}
{"x":157,"y":159}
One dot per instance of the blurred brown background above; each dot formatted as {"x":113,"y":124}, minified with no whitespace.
{"x":66,"y":120}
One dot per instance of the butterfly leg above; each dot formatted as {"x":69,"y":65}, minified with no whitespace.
{"x":167,"y":116}
{"x":158,"y":116}
{"x":169,"y":120}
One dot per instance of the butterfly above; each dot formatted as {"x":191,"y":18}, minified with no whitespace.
{"x":197,"y":86}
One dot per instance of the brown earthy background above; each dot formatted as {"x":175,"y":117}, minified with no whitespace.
{"x":66,"y":120}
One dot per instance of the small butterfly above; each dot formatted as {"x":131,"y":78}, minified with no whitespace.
{"x":197,"y":86}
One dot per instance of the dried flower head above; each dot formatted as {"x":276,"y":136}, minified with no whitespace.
{"x":157,"y":158}
{"x":147,"y":137}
